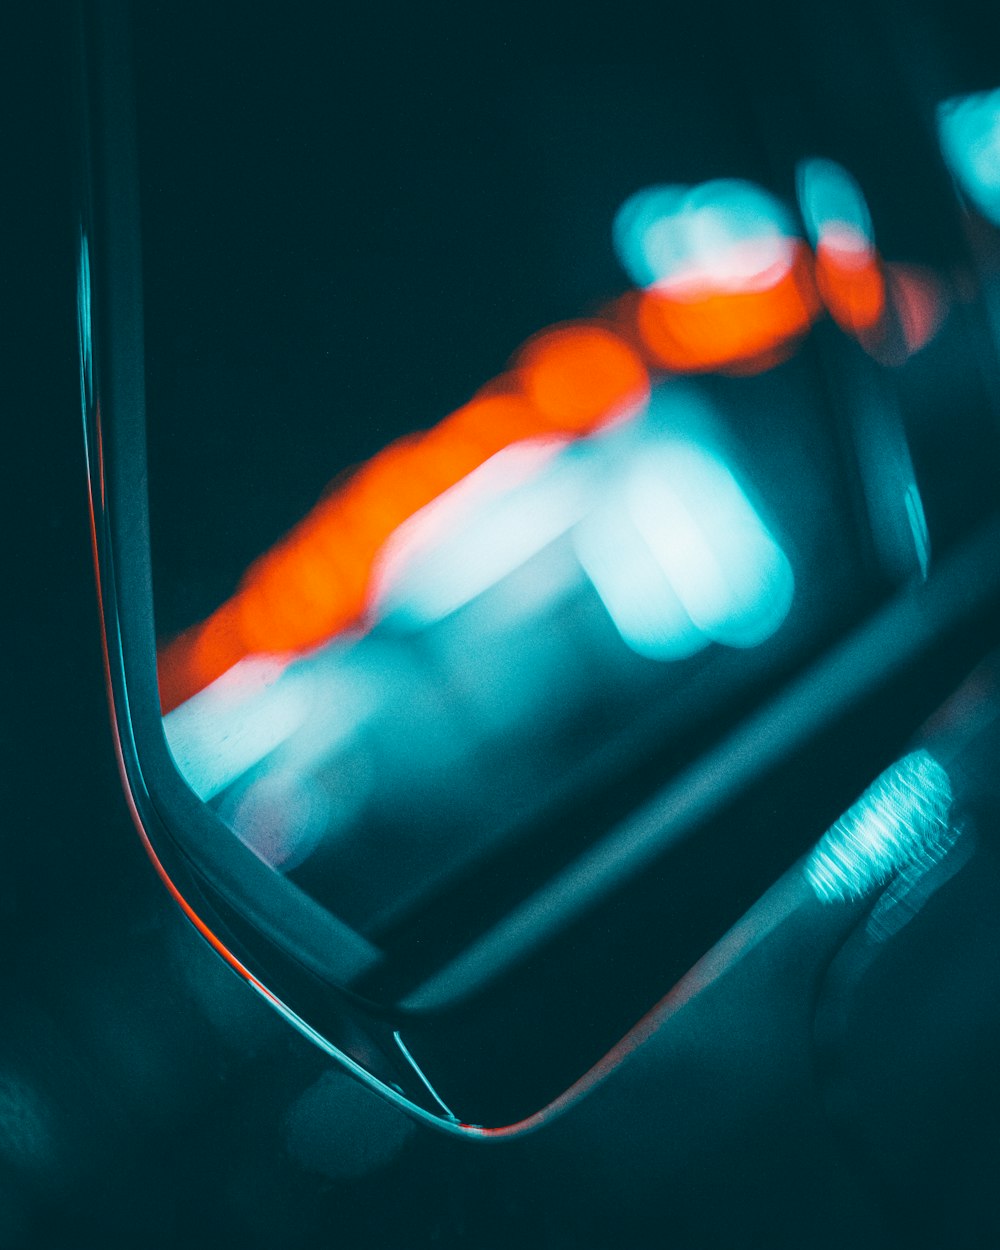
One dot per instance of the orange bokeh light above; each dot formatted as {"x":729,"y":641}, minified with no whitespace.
{"x":318,"y":580}
{"x":578,"y":377}
{"x":704,"y":329}
{"x":850,"y":280}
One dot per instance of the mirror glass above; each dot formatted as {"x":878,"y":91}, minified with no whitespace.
{"x":500,"y":448}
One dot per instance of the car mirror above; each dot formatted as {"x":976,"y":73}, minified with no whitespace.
{"x":532,"y":500}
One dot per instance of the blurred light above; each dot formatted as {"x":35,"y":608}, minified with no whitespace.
{"x":723,"y":235}
{"x":918,"y":527}
{"x":281,"y":816}
{"x":634,"y":587}
{"x":84,"y":323}
{"x":728,"y":286}
{"x":647,"y":235}
{"x":969,"y":130}
{"x":580,"y":377}
{"x":918,"y":302}
{"x":831,"y":200}
{"x":851,"y":283}
{"x":729,"y":332}
{"x":731,"y":577}
{"x":913,"y":885}
{"x":848,"y":271}
{"x":900,"y":821}
{"x":234,"y":723}
{"x":857,"y":287}
{"x":319,"y":580}
{"x":724,"y":285}
{"x":676,"y":552}
{"x":480,"y":531}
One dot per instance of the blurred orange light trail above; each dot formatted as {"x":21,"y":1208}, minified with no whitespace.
{"x":866,"y":295}
{"x":849,"y":278}
{"x":316,"y":581}
{"x":573,"y":379}
{"x":709,"y":328}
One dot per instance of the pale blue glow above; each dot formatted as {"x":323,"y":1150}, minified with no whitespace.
{"x":832,"y":202}
{"x":728,"y":234}
{"x":481,"y":530}
{"x":666,"y":535}
{"x":680,"y":558}
{"x":731,"y":578}
{"x":282,"y":816}
{"x":675,"y":550}
{"x":969,"y":131}
{"x":901,"y":821}
{"x":634,"y":588}
{"x":895,"y":508}
{"x":84,"y":326}
{"x":297,"y":717}
{"x":914,"y":884}
{"x":234,"y":723}
{"x":918,"y":528}
{"x":423,"y":1079}
{"x":647,"y":239}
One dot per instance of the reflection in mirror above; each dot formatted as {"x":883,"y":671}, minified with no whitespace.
{"x":512,"y":628}
{"x":424,"y":595}
{"x":484,"y":610}
{"x":969,"y":127}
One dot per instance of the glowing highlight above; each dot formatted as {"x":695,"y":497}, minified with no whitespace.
{"x":848,"y":271}
{"x":682,"y":559}
{"x":320,"y":580}
{"x":969,"y":132}
{"x":478,"y":532}
{"x":901,"y":820}
{"x":234,"y":723}
{"x":726,"y":284}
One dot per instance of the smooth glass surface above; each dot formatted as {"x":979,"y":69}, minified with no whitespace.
{"x":494,"y":462}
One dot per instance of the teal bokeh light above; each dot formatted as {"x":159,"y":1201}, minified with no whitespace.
{"x":901,"y":821}
{"x":832,"y":202}
{"x":969,"y":130}
{"x":726,"y":233}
